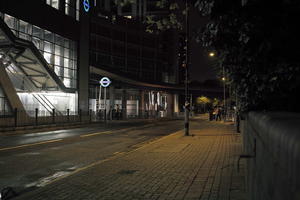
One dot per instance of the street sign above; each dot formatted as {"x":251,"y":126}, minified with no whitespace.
{"x":105,"y":82}
{"x":86,"y":5}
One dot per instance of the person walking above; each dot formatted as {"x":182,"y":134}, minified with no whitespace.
{"x":118,"y":112}
{"x":218,"y":113}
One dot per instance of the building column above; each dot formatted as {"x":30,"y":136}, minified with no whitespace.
{"x":142,"y":104}
{"x":83,"y":62}
{"x":144,"y":8}
{"x":134,"y":9}
{"x":124,"y":104}
{"x":107,"y":5}
{"x":176,"y":105}
{"x":170,"y":105}
{"x":111,"y":100}
{"x":9,"y":89}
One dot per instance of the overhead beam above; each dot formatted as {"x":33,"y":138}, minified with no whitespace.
{"x":30,"y":68}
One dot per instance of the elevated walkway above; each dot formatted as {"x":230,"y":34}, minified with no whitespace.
{"x":29,"y":61}
{"x":22,"y":64}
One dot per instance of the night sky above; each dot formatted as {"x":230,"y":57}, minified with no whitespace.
{"x":202,"y":66}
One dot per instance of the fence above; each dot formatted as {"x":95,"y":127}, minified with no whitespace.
{"x":21,"y":118}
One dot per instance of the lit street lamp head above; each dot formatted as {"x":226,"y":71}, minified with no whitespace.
{"x":211,"y":54}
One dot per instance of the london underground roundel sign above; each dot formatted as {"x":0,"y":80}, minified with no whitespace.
{"x":105,"y":82}
{"x":86,"y":5}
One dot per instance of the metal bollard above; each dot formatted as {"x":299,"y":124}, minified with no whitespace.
{"x":80,"y":115}
{"x":68,"y":115}
{"x":16,"y":117}
{"x":90,"y":113}
{"x":53,"y":115}
{"x":36,"y":116}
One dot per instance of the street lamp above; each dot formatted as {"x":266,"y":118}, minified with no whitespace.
{"x":224,"y":91}
{"x":211,"y":54}
{"x":186,"y":104}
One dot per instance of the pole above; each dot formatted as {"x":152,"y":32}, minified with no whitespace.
{"x":99,"y":100}
{"x":98,"y":109}
{"x":36,"y":116}
{"x":105,"y":104}
{"x":224,"y":90}
{"x":16,"y":116}
{"x":53,"y":115}
{"x":186,"y":109}
{"x":191,"y":105}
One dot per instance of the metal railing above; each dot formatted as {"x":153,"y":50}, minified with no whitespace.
{"x":22,"y":118}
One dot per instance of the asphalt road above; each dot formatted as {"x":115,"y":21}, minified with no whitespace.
{"x":33,"y":160}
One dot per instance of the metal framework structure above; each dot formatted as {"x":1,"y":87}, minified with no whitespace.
{"x":25,"y":63}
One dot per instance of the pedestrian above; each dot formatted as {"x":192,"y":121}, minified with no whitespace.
{"x":211,"y":115}
{"x":110,"y":113}
{"x":118,"y":112}
{"x":114,"y":116}
{"x":218,"y":113}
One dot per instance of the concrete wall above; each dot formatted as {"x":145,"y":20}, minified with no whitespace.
{"x":273,"y":139}
{"x":9,"y":89}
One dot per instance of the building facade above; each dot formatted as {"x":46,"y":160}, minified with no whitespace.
{"x":53,"y":53}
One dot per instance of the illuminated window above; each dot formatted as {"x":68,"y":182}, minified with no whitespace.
{"x":72,"y":8}
{"x":53,"y":3}
{"x":59,"y":52}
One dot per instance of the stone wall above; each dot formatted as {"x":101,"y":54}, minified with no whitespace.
{"x":272,"y":142}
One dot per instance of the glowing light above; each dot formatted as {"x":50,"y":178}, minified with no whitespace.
{"x":211,"y":54}
{"x":105,"y":82}
{"x":86,"y":5}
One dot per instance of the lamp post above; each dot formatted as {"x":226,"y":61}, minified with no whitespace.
{"x":212,"y":54}
{"x":186,"y":104}
{"x":224,"y":91}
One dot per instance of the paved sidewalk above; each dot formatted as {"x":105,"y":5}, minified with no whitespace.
{"x":202,"y":166}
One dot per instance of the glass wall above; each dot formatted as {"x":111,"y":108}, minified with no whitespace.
{"x":59,"y":52}
{"x":72,"y":8}
{"x":53,"y":3}
{"x":4,"y":106}
{"x":55,"y":100}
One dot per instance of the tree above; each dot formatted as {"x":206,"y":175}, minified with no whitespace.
{"x":203,"y":102}
{"x":257,"y":43}
{"x":165,"y":21}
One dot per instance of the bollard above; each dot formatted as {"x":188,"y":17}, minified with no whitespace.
{"x":68,"y":115}
{"x":53,"y":115}
{"x":90,"y":113}
{"x":80,"y":116}
{"x":36,"y":116}
{"x":238,"y":123}
{"x":16,"y":117}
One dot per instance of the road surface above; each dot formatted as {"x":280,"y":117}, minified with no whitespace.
{"x":33,"y":160}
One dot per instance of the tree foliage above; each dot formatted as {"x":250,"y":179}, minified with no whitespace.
{"x":167,"y":19}
{"x":257,"y":43}
{"x":203,"y":100}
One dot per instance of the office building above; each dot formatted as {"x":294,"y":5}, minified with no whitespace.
{"x":53,"y":53}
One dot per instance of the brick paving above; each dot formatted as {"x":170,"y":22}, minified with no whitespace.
{"x":202,"y":167}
